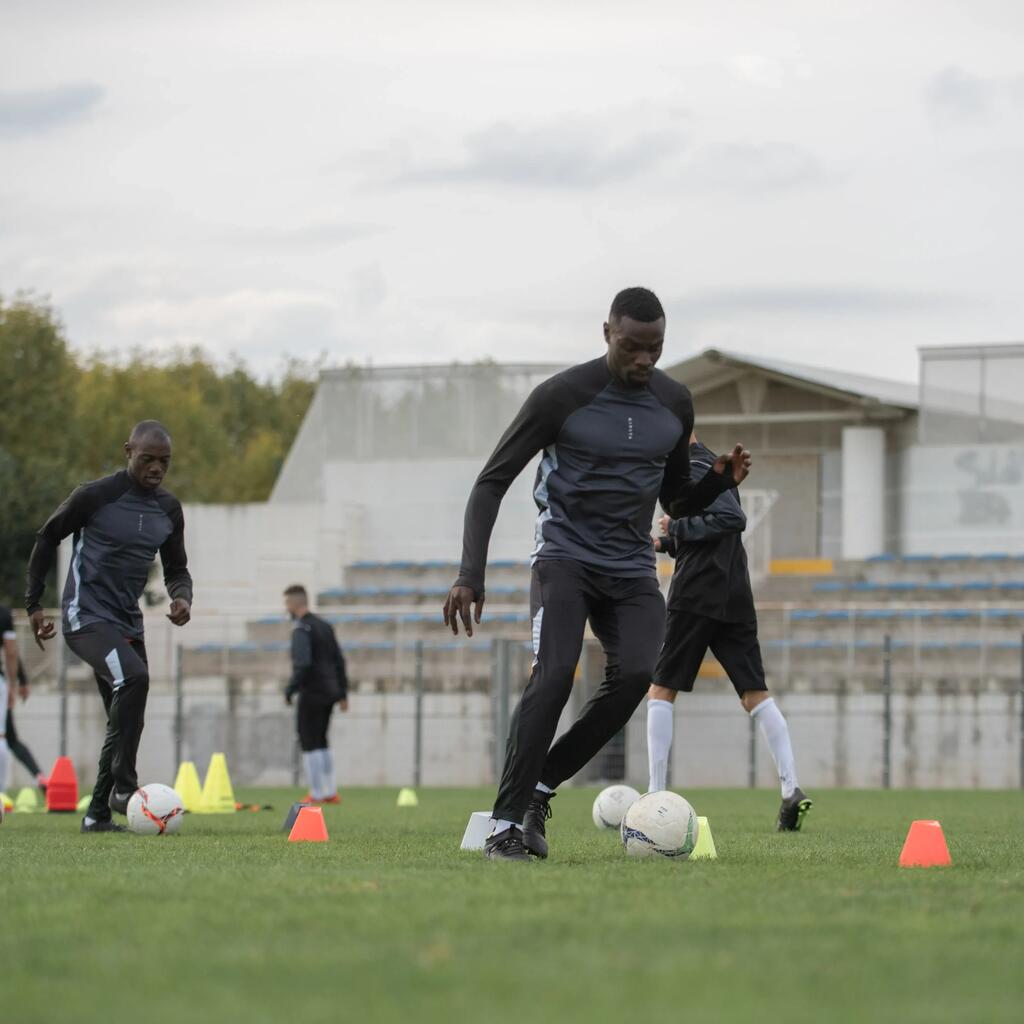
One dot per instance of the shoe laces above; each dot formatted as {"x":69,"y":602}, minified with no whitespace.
{"x":542,"y":804}
{"x":514,"y":840}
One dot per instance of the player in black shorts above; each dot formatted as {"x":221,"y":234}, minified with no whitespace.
{"x":320,"y":681}
{"x":711,"y":606}
{"x":614,"y":434}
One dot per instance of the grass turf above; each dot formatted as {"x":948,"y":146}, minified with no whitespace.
{"x":389,"y":921}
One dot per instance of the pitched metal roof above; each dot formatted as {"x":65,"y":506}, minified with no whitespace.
{"x":706,"y":368}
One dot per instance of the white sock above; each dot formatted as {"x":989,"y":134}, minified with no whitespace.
{"x":327,"y":767}
{"x":543,"y":788}
{"x":88,"y":821}
{"x":5,"y":755}
{"x":311,"y":759}
{"x":776,"y":732}
{"x":500,"y":824}
{"x":659,"y":743}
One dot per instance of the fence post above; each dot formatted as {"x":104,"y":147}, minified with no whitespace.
{"x":499,"y":695}
{"x":752,"y":754}
{"x":179,"y":707}
{"x":887,"y":712}
{"x":417,"y":754}
{"x":1022,"y":710}
{"x":62,"y":688}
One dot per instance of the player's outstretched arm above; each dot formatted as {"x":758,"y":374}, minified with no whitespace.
{"x":70,"y":516}
{"x":177,"y":578}
{"x":723,"y":516}
{"x":534,"y":428}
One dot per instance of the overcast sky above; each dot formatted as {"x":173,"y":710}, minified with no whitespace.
{"x":411,"y":182}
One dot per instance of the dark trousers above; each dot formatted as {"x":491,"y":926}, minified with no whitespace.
{"x":122,"y":677}
{"x":628,"y":618}
{"x":313,"y":718}
{"x":18,"y":749}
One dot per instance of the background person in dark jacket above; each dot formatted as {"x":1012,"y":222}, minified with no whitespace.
{"x":17,"y":687}
{"x":711,"y":605}
{"x":319,"y":680}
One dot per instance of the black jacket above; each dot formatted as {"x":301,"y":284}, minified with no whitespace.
{"x":318,"y":666}
{"x":118,"y":528}
{"x":711,"y":576}
{"x":610,"y":452}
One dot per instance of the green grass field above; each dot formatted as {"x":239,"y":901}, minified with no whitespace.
{"x":389,"y":921}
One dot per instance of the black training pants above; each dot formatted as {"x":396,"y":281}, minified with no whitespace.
{"x":627,"y":615}
{"x":18,"y":749}
{"x":122,"y":676}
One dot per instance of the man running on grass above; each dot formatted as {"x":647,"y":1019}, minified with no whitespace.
{"x":119,"y":524}
{"x":614,"y":433}
{"x":711,"y":605}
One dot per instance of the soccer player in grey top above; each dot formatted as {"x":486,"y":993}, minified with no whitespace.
{"x":614,"y":433}
{"x":119,"y":524}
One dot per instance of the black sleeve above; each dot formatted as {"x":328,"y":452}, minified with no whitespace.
{"x":669,"y":546}
{"x":70,"y":517}
{"x":681,"y":495}
{"x":177,"y":578}
{"x":302,"y":658}
{"x":723,"y":516}
{"x":534,"y":428}
{"x":6,"y":624}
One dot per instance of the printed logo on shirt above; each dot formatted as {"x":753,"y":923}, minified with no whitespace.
{"x":629,"y":428}
{"x":140,"y":522}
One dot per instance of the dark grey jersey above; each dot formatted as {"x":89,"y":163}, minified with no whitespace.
{"x":118,"y":529}
{"x":610,"y":452}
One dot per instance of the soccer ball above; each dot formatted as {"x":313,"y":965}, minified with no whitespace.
{"x":612,"y":803}
{"x":660,"y":824}
{"x":155,"y":810}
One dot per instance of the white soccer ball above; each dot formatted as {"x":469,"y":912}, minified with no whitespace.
{"x":660,"y":824}
{"x":155,"y":810}
{"x":612,"y":803}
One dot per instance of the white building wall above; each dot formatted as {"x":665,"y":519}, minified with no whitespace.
{"x":863,"y":490}
{"x":963,"y":499}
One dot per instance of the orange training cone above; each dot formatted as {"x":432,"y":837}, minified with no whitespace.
{"x":62,"y":788}
{"x":309,"y":826}
{"x":925,"y":846}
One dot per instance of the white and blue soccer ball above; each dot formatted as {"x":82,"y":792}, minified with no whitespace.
{"x":155,"y":810}
{"x":612,"y":803}
{"x":660,"y":825}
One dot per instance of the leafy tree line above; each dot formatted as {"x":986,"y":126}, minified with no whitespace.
{"x":63,"y":419}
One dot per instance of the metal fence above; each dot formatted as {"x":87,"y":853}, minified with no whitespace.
{"x":932,"y":702}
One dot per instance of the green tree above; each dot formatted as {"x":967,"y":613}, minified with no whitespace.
{"x":37,"y":431}
{"x":63,"y":422}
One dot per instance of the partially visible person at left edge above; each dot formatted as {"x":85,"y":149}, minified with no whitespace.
{"x":119,"y":524}
{"x":15,"y":688}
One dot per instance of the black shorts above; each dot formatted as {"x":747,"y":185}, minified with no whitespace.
{"x":313,"y":718}
{"x":688,"y":638}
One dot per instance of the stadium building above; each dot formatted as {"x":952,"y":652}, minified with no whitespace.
{"x":884,"y":536}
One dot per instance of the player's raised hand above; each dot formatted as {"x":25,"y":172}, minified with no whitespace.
{"x":737,"y":462}
{"x":458,"y":604}
{"x":180,"y":612}
{"x":42,"y":628}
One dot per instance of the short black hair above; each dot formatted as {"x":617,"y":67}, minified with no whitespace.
{"x":638,"y":304}
{"x":296,"y":590}
{"x":148,"y":428}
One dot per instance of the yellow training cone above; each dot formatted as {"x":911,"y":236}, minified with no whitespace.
{"x":83,"y":804}
{"x":9,"y":803}
{"x":218,"y":797}
{"x":186,"y":785}
{"x":705,"y":848}
{"x":407,"y":798}
{"x":27,"y":801}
